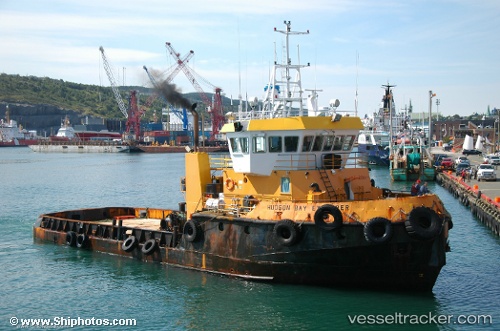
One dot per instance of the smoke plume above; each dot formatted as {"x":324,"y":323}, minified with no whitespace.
{"x":170,"y":93}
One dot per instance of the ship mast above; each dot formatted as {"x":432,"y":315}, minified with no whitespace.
{"x":280,"y":105}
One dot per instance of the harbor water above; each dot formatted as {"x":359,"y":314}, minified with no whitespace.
{"x":70,"y":286}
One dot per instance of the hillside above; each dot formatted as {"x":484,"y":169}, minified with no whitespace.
{"x":39,"y":102}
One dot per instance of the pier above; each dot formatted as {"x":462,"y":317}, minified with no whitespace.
{"x":482,"y":198}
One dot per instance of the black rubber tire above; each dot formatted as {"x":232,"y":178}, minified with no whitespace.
{"x":82,"y":240}
{"x":71,"y":238}
{"x":323,"y":212}
{"x":192,"y":231}
{"x":378,"y":230}
{"x":149,"y":247}
{"x":286,"y":232}
{"x":423,"y":223}
{"x":129,"y":244}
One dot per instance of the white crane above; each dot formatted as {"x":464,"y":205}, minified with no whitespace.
{"x":112,"y":80}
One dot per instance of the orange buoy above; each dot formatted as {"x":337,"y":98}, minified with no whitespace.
{"x":497,"y":199}
{"x":475,"y":187}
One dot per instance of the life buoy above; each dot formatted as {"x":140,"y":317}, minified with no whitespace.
{"x":378,"y":230}
{"x":325,"y":212}
{"x":423,"y":223}
{"x":192,"y":230}
{"x":82,"y":240}
{"x":286,"y":232}
{"x":149,"y":247}
{"x":129,"y":244}
{"x":229,"y":184}
{"x":71,"y":238}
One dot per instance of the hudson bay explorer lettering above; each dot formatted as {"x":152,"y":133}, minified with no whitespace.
{"x":279,"y":207}
{"x":303,"y":207}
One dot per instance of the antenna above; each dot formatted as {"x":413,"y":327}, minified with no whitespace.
{"x":356,"y":99}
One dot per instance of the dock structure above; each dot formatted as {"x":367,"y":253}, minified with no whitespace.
{"x":483,"y":198}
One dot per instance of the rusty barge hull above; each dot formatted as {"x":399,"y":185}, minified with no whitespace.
{"x":250,"y":249}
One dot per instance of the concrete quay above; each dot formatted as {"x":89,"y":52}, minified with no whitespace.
{"x":483,"y":198}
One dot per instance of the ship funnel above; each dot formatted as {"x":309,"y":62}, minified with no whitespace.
{"x":195,"y":126}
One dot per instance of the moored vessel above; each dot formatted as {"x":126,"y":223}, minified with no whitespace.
{"x":13,"y":135}
{"x":287,"y":205}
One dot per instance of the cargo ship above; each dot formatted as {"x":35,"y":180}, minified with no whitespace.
{"x":288,"y":204}
{"x":12,"y":135}
{"x":80,"y":140}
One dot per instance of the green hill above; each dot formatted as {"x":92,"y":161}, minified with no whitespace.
{"x":57,"y":97}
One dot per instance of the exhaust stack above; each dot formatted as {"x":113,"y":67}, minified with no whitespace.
{"x":195,"y":126}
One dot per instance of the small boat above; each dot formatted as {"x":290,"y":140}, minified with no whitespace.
{"x":411,"y":162}
{"x":286,"y":205}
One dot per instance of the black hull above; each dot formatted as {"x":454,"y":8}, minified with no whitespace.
{"x":250,"y":250}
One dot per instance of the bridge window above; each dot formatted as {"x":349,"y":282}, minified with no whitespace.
{"x":348,"y":141}
{"x":318,"y":143}
{"x":337,"y":145}
{"x":259,"y":144}
{"x":291,"y":144}
{"x":307,"y":144}
{"x":328,"y":143}
{"x":239,"y":145}
{"x":275,"y":144}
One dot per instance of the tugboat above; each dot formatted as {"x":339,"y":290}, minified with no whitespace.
{"x":286,"y":205}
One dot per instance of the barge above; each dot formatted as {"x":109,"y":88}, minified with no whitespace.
{"x":286,"y":205}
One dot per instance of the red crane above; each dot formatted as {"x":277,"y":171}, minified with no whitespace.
{"x":133,"y":115}
{"x":215,"y":108}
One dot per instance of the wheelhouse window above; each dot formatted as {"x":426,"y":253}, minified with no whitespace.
{"x":339,"y":141}
{"x":275,"y":144}
{"x":291,"y":144}
{"x":328,"y":144}
{"x":259,"y":144}
{"x":318,"y":143}
{"x":307,"y":144}
{"x":348,"y":141}
{"x":239,"y":145}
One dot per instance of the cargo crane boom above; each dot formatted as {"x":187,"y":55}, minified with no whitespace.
{"x":133,"y":114}
{"x":216,"y":108}
{"x":112,"y":80}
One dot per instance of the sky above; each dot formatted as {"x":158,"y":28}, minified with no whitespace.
{"x":449,"y":47}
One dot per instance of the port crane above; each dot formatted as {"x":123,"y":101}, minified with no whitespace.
{"x":215,"y":108}
{"x":132,"y":114}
